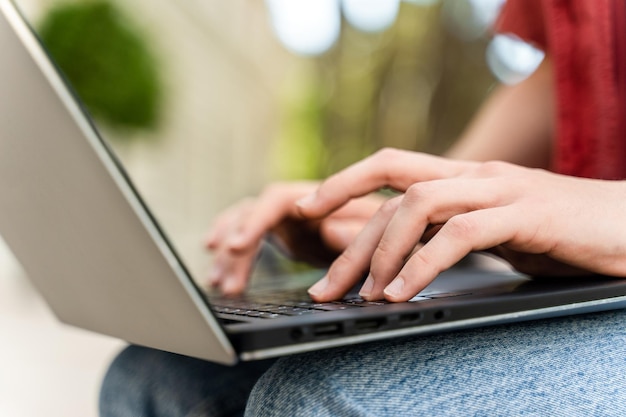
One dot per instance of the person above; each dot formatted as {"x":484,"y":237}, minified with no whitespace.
{"x":537,"y":179}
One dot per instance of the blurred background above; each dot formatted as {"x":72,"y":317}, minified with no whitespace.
{"x":206,"y":101}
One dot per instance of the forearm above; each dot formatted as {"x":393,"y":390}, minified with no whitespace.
{"x":516,"y":124}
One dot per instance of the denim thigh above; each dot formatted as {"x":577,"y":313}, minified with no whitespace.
{"x":574,"y":366}
{"x":144,"y":382}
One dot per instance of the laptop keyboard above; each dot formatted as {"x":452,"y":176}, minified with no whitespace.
{"x":298,"y":304}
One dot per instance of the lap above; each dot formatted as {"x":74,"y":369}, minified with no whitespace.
{"x":566,"y":366}
{"x":143,"y":382}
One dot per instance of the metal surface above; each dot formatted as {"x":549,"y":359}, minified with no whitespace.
{"x":541,"y":313}
{"x":76,"y":224}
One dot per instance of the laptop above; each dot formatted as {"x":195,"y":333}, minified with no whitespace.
{"x":89,"y":243}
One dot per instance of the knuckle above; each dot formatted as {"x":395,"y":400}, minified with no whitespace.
{"x":345,"y":264}
{"x":419,"y":192}
{"x":347,"y":258}
{"x":491,"y":168}
{"x":426,"y":264}
{"x":384,"y":251}
{"x":389,"y":207}
{"x":387,"y":155}
{"x":461,"y":227}
{"x":383,"y":266}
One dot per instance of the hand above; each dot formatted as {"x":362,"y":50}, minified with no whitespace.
{"x":237,"y":233}
{"x":493,"y":206}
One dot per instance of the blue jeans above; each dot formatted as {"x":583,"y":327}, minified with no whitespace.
{"x":573,"y":366}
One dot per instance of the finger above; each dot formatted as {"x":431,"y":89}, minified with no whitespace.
{"x":353,"y":262}
{"x":229,"y":265}
{"x":231,"y":269}
{"x":224,"y":258}
{"x":274,"y":205}
{"x":387,"y":168}
{"x":341,"y":227}
{"x":360,"y":208}
{"x":234,"y":269}
{"x":224,"y":223}
{"x":462,"y":234}
{"x":423,"y":204}
{"x":338,"y":234}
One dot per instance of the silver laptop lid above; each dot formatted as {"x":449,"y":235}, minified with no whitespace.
{"x":76,"y":224}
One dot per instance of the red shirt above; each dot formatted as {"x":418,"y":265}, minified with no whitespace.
{"x":587,"y":42}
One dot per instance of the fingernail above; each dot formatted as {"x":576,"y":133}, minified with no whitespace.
{"x":306,"y":200}
{"x":215,"y":275}
{"x":395,"y":288}
{"x":368,"y":285}
{"x":230,"y":286}
{"x":318,"y":288}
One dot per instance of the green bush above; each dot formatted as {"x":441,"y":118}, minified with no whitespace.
{"x":106,"y":60}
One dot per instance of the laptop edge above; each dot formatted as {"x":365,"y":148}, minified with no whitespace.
{"x":52,"y":160}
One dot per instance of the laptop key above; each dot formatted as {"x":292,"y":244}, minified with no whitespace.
{"x":300,"y":312}
{"x":266,"y":315}
{"x":362,"y":303}
{"x":335,"y":307}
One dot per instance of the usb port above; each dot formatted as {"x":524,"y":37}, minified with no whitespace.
{"x":410,"y":318}
{"x":328,"y":329}
{"x":369,"y":324}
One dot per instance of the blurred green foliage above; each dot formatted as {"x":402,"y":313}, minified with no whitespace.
{"x":107,"y":61}
{"x":299,"y":149}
